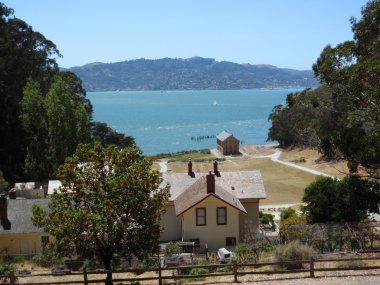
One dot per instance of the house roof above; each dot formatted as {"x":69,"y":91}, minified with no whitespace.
{"x":197,"y":192}
{"x":20,"y":214}
{"x":223,"y":136}
{"x":241,"y":184}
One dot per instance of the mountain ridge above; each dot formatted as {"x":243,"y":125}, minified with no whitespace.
{"x":193,"y":73}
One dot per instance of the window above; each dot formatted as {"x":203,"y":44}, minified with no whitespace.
{"x":230,"y":241}
{"x":201,"y":216}
{"x":221,"y":216}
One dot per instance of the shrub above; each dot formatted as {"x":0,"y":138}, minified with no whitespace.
{"x":46,"y":257}
{"x":18,"y":259}
{"x":291,"y":252}
{"x":205,"y":151}
{"x":287,"y":213}
{"x":8,"y":270}
{"x":173,"y":249}
{"x":265,"y":218}
{"x":196,"y":271}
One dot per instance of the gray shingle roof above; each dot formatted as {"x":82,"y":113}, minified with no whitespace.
{"x":242,"y":184}
{"x":197,"y":192}
{"x":223,"y":136}
{"x":20,"y":214}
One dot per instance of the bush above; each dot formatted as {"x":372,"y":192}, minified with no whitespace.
{"x":18,"y":259}
{"x":287,"y":213}
{"x":46,"y":257}
{"x":196,"y":271}
{"x":205,"y":151}
{"x":265,"y":218}
{"x":293,"y":251}
{"x":8,"y":270}
{"x":173,"y":249}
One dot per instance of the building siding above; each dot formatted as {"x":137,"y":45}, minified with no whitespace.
{"x":20,"y":244}
{"x":249,"y":223}
{"x":211,"y":234}
{"x":171,"y":225}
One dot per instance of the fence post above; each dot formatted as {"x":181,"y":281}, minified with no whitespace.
{"x":235,"y":273}
{"x":12,"y":279}
{"x":159,"y":272}
{"x":85,"y":277}
{"x":312,"y":267}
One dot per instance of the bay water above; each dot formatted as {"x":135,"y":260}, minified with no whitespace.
{"x":171,"y":121}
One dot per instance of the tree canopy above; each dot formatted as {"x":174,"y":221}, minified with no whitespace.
{"x":44,"y":111}
{"x":24,"y":53}
{"x":106,"y":136}
{"x":109,"y":200}
{"x":348,"y":200}
{"x":342,"y":118}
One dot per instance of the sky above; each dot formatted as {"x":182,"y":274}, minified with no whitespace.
{"x":284,"y":33}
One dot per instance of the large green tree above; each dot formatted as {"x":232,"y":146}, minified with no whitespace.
{"x":110,"y":205}
{"x":348,"y":200}
{"x":343,"y":120}
{"x":352,"y":72}
{"x":24,"y":53}
{"x":54,"y":125}
{"x":34,"y":123}
{"x":68,"y":123}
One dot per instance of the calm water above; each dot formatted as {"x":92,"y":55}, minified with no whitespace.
{"x":171,"y":121}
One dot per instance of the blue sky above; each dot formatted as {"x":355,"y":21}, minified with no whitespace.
{"x":284,"y":33}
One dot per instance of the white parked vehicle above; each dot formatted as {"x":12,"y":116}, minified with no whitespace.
{"x":224,"y":254}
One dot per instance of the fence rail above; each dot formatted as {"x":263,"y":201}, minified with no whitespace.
{"x":235,"y":272}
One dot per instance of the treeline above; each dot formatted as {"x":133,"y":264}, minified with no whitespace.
{"x":44,"y":112}
{"x":342,"y":117}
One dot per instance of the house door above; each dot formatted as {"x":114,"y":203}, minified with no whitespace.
{"x":24,"y":247}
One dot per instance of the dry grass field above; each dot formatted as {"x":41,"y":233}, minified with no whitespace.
{"x":311,"y":158}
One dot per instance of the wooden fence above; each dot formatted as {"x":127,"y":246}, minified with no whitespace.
{"x":249,"y":269}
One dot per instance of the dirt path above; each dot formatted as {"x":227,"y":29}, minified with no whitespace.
{"x":163,"y":163}
{"x":275,"y":157}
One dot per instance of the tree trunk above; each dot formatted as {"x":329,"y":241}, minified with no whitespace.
{"x":107,"y":264}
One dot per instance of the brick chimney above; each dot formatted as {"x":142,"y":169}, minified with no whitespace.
{"x":210,"y":182}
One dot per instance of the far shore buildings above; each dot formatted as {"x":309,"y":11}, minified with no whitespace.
{"x":227,"y":144}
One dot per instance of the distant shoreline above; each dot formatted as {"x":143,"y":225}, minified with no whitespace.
{"x":196,"y":90}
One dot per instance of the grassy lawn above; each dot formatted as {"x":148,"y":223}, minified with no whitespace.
{"x":283,"y":184}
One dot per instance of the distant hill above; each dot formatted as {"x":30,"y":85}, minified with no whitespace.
{"x":188,"y":74}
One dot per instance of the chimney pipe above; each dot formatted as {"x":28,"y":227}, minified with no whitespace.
{"x":210,"y":182}
{"x":190,"y":168}
{"x":216,"y":166}
{"x":3,"y":208}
